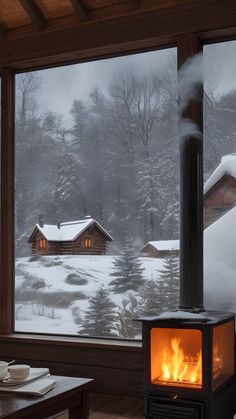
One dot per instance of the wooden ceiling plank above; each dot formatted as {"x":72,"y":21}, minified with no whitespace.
{"x":81,"y":10}
{"x":34,"y":12}
{"x":134,"y":3}
{"x":124,"y":33}
{"x":3,"y":31}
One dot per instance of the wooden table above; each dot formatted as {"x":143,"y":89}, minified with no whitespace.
{"x":68,"y":393}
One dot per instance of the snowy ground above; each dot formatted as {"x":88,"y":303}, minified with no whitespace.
{"x":34,"y":316}
{"x":59,"y":299}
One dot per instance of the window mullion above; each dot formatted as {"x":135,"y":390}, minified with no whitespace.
{"x":7,"y":200}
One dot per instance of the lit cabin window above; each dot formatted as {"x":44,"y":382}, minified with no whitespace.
{"x":87,"y":242}
{"x":42,"y":244}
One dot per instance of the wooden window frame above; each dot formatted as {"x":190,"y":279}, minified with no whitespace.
{"x":188,"y":28}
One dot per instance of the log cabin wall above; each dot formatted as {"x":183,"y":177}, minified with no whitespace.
{"x":99,"y":241}
{"x":36,"y":249}
{"x":57,"y":248}
{"x":219,"y":199}
{"x":72,"y":247}
{"x":165,"y":253}
{"x":150,"y":251}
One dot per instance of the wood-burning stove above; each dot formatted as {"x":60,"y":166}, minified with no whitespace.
{"x":189,"y":355}
{"x":189,"y":367}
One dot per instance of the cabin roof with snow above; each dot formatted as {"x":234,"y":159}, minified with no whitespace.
{"x":165,"y":244}
{"x":68,"y":231}
{"x":227,"y":166}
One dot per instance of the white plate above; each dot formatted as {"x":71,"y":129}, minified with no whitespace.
{"x":34,"y":374}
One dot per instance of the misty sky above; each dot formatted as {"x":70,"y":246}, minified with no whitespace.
{"x":76,"y":81}
{"x":61,"y":85}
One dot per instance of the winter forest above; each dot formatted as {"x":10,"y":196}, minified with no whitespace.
{"x":113,"y":156}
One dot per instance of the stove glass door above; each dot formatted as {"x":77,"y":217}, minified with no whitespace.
{"x":176,"y":357}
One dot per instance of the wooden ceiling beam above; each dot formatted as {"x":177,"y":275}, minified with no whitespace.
{"x":34,"y":12}
{"x":3,"y":31}
{"x":121,"y":34}
{"x":134,"y":3}
{"x":81,"y":9}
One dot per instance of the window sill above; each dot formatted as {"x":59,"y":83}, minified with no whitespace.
{"x":73,"y":341}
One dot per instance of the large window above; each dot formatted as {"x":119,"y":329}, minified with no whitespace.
{"x":220,"y":175}
{"x":97,"y":176}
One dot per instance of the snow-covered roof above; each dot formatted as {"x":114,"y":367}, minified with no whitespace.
{"x":165,"y":244}
{"x":68,"y":231}
{"x":220,"y":262}
{"x":220,"y":238}
{"x":227,"y":166}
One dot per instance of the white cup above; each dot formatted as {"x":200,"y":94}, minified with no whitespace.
{"x":19,"y":372}
{"x":3,"y":369}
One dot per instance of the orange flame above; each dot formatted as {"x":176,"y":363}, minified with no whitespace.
{"x":180,"y":368}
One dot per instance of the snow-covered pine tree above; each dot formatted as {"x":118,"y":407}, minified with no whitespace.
{"x":100,"y":317}
{"x":128,"y":272}
{"x":169,"y":274}
{"x":153,"y":297}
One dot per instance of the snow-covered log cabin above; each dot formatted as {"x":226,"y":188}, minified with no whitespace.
{"x":220,"y":190}
{"x":161,"y":248}
{"x":71,"y":238}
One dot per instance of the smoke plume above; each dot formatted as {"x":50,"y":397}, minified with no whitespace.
{"x":190,"y":78}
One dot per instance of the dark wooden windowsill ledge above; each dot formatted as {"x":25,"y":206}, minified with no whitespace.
{"x":71,"y":340}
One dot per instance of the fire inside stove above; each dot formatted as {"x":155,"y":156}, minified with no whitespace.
{"x":177,"y":366}
{"x":176,"y":358}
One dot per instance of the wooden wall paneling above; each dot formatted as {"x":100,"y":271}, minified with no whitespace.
{"x":115,"y":370}
{"x":76,"y":43}
{"x":130,"y":359}
{"x":107,"y":380}
{"x":7,"y":182}
{"x":34,"y":13}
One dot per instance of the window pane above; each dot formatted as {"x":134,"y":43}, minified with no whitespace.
{"x":220,"y":175}
{"x":97,"y":195}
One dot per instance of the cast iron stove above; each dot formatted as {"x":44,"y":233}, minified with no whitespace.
{"x":189,"y":355}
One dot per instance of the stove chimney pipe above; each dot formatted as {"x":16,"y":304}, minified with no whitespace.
{"x":191,"y":224}
{"x":191,"y":182}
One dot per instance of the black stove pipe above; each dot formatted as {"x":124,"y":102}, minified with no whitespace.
{"x":191,"y":223}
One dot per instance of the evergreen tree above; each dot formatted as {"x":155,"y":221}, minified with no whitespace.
{"x":128,"y":271}
{"x":100,"y":317}
{"x":169,"y":275}
{"x":153,"y":297}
